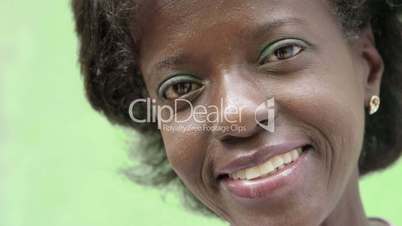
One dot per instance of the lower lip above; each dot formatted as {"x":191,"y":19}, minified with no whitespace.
{"x":265,"y":186}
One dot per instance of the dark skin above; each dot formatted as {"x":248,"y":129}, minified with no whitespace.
{"x":321,"y":88}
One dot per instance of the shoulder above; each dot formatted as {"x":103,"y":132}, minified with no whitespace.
{"x":381,"y":220}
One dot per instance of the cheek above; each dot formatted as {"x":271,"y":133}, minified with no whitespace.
{"x":340,"y":122}
{"x":330,"y":100}
{"x":185,"y":153}
{"x":188,"y":156}
{"x":342,"y":116}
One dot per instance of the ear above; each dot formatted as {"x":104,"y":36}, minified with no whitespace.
{"x":372,"y":63}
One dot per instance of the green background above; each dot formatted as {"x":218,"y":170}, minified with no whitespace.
{"x":60,"y":160}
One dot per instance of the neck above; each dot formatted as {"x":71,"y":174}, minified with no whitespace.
{"x":349,"y":211}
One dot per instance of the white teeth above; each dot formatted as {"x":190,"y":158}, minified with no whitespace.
{"x":273,"y":164}
{"x":242,"y":174}
{"x":287,"y":158}
{"x":252,"y":173}
{"x":277,"y":161}
{"x":295,"y":153}
{"x":267,"y":168}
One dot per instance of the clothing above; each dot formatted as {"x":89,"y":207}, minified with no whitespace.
{"x":381,"y":220}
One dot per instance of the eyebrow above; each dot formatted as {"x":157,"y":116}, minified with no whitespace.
{"x":181,"y":58}
{"x":276,"y":23}
{"x":172,"y":61}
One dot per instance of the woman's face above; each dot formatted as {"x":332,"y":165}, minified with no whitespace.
{"x":232,"y":57}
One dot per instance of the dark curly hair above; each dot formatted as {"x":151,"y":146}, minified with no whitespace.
{"x":108,"y":59}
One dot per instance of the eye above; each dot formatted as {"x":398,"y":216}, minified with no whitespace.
{"x":282,"y":50}
{"x":179,"y":86}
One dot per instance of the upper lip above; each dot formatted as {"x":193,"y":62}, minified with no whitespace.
{"x":257,"y":157}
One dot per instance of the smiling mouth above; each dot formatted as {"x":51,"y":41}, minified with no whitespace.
{"x":271,"y":167}
{"x":262,"y":180}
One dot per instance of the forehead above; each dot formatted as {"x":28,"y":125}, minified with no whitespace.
{"x":166,"y":25}
{"x":180,"y":10}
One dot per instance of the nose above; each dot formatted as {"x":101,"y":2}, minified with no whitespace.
{"x":245,"y":109}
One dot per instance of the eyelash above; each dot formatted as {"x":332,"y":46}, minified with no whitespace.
{"x":194,"y":85}
{"x":272,"y":48}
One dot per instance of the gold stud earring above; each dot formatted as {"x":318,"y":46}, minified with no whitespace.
{"x":374,"y":104}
